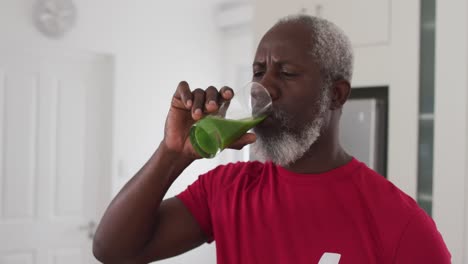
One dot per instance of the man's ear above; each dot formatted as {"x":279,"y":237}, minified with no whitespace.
{"x":340,"y":93}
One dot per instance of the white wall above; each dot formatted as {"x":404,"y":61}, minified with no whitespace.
{"x":450,"y":207}
{"x":155,"y":44}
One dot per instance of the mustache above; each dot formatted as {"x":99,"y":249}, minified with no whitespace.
{"x":281,"y":121}
{"x":280,"y":115}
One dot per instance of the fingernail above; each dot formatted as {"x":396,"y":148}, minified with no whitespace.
{"x":189,"y":103}
{"x":228,"y":93}
{"x":198,"y":111}
{"x":212,"y":103}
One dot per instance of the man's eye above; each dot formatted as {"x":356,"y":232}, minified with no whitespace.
{"x":258,"y":74}
{"x":288,"y":74}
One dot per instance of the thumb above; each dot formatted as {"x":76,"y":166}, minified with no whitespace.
{"x":246,"y":139}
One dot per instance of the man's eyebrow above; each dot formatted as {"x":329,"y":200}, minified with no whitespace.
{"x":287,"y":62}
{"x":258,"y":64}
{"x":281,"y":62}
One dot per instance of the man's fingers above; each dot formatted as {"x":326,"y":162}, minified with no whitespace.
{"x":226,"y":93}
{"x":198,"y":102}
{"x":211,"y":99}
{"x":246,"y":139}
{"x":184,"y":94}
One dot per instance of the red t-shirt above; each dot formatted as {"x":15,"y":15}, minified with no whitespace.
{"x":263,"y":213}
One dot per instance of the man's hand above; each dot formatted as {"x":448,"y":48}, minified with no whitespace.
{"x":187,"y":107}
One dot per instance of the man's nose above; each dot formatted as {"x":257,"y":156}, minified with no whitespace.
{"x":270,"y":82}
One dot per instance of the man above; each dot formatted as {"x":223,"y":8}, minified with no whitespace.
{"x":309,"y":202}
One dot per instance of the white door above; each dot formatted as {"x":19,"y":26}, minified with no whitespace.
{"x":55,"y":147}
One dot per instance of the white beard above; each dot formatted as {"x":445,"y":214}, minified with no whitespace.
{"x":288,"y":147}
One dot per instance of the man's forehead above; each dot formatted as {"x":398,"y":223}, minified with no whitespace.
{"x":285,"y":50}
{"x":285,"y":42}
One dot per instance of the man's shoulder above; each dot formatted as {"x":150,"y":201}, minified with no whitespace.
{"x":382,"y":190}
{"x":389,"y":209}
{"x":386,"y":201}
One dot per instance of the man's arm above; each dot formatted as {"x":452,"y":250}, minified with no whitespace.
{"x":138,"y":227}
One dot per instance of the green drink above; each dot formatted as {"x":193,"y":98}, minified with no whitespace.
{"x":213,"y":134}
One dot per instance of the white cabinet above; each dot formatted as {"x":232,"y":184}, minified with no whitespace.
{"x":366,"y":22}
{"x":267,"y":13}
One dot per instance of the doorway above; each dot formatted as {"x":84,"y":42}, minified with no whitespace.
{"x":55,"y":158}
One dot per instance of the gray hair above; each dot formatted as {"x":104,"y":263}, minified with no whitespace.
{"x":331,"y":48}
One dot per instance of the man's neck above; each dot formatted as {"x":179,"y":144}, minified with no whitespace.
{"x":324,"y":155}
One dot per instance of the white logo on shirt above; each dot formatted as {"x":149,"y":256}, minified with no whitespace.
{"x":330,"y":258}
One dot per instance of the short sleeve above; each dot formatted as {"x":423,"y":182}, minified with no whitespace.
{"x":197,"y":200}
{"x":421,"y":242}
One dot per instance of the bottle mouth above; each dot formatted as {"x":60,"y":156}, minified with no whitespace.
{"x":260,"y":100}
{"x":253,"y":100}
